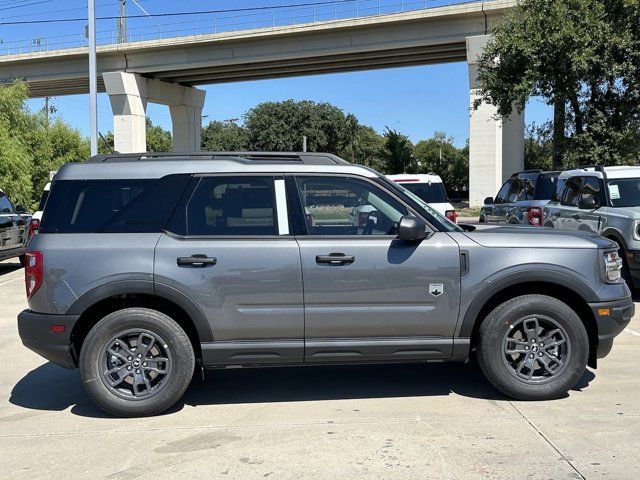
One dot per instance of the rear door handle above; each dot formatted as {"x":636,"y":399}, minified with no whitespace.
{"x":197,"y":261}
{"x":335,"y":259}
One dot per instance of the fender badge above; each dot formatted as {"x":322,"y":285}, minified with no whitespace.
{"x":436,"y":289}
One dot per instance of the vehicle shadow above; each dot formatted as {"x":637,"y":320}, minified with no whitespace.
{"x":8,"y":267}
{"x":52,"y":388}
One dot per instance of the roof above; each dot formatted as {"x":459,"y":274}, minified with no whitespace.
{"x":420,"y":178}
{"x":156,"y":165}
{"x":612,"y":172}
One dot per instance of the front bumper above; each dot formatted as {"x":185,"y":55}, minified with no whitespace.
{"x":612,"y":318}
{"x":35,"y":331}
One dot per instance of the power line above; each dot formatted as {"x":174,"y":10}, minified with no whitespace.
{"x":176,"y":14}
{"x":49,"y":12}
{"x":14,"y":6}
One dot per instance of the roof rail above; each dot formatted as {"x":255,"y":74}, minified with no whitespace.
{"x":536,"y":170}
{"x":309,"y":158}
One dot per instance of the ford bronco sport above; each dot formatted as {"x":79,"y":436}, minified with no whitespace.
{"x":149,"y":266}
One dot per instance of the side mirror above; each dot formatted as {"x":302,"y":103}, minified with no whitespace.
{"x":411,"y":229}
{"x":588,"y":203}
{"x":488,"y":201}
{"x":20,"y":210}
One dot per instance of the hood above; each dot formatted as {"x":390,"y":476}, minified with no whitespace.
{"x":535,"y":237}
{"x":625,"y":212}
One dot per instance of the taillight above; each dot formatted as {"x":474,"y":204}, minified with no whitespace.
{"x":535,"y":216}
{"x":33,"y":272}
{"x":451,"y":215}
{"x":34,"y":226}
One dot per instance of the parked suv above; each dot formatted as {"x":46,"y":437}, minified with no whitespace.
{"x":149,"y":266}
{"x":13,"y":229}
{"x":521,"y":199}
{"x":430,"y":189}
{"x":603,"y":200}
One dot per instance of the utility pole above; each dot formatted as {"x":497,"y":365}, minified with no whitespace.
{"x":93,"y":80}
{"x":122,"y":22}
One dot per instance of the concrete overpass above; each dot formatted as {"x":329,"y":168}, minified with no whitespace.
{"x":167,"y":71}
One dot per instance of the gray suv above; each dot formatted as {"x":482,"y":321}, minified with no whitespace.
{"x":149,"y":266}
{"x":521,"y":199}
{"x":602,"y":200}
{"x":13,"y":229}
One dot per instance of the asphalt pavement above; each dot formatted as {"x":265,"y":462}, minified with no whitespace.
{"x":440,"y":421}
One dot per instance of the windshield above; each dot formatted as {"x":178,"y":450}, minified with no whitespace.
{"x":625,"y":192}
{"x":439,"y":219}
{"x":430,"y":193}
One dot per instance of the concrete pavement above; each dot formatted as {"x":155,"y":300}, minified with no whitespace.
{"x":413,"y":421}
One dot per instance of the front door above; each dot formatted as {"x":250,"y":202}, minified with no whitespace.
{"x":369,"y":296}
{"x":228,"y":249}
{"x":12,"y":226}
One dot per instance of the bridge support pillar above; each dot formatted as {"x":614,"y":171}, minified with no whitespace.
{"x":129,"y":94}
{"x":496,"y":145}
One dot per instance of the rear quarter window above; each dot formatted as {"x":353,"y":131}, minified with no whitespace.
{"x":111,"y":206}
{"x":430,"y":193}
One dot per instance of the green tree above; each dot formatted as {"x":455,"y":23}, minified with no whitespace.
{"x":15,"y":160}
{"x":158,"y":139}
{"x":224,"y":136}
{"x":440,"y":156}
{"x":280,"y":126}
{"x":398,"y":153}
{"x":582,"y":57}
{"x":367,"y":148}
{"x":538,"y":146}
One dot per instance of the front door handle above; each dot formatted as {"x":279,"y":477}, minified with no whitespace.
{"x":197,"y":261}
{"x":576,"y":216}
{"x":335,"y":259}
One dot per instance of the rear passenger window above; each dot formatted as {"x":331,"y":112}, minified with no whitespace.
{"x":228,"y":206}
{"x":112,"y":206}
{"x":5,"y":204}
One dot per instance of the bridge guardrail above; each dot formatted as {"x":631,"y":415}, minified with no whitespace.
{"x":214,"y":23}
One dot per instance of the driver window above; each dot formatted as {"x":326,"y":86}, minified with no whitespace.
{"x":348,"y":206}
{"x":572,"y":192}
{"x":591,"y":191}
{"x":515,"y":187}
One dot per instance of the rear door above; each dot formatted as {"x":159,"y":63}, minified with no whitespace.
{"x":569,"y":213}
{"x":369,"y":296}
{"x":228,"y":249}
{"x":590,"y":218}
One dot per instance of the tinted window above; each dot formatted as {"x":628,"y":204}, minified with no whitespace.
{"x":558,"y":189}
{"x":625,"y":192}
{"x":572,"y":192}
{"x":224,"y":205}
{"x":515,"y":187}
{"x":527,"y":188}
{"x":43,"y":200}
{"x":348,"y":206}
{"x":430,"y":193}
{"x":5,"y":204}
{"x":546,"y":186}
{"x":118,"y":206}
{"x":501,"y":197}
{"x":591,"y":190}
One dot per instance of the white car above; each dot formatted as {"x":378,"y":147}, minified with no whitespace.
{"x":430,"y":189}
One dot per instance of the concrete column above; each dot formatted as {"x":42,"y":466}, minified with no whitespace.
{"x":496,"y":145}
{"x":128,"y":104}
{"x":129,"y":94}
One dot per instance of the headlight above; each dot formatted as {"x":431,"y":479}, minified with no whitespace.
{"x":636,"y":230}
{"x":612,"y":266}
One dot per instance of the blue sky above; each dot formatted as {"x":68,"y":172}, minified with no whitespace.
{"x":417,"y":101}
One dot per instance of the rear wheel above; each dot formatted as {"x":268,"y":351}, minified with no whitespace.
{"x":533,"y":347}
{"x":136,"y":362}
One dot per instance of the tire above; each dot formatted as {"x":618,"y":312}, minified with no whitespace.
{"x":507,"y":328}
{"x":159,"y":382}
{"x":482,"y":219}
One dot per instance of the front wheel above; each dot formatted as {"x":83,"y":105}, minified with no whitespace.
{"x":533,"y":347}
{"x":136,"y":362}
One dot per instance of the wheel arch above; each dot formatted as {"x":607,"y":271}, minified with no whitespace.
{"x":616,"y":236}
{"x":554,"y":284}
{"x":105,"y":299}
